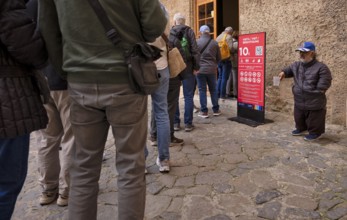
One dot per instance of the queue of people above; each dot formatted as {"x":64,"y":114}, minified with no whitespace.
{"x":89,"y":92}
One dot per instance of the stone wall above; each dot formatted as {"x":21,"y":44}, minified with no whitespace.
{"x":288,"y":23}
{"x":183,"y":6}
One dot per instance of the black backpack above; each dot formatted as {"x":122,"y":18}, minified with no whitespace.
{"x":184,"y":44}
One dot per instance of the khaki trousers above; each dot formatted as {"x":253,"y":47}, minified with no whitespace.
{"x":94,"y":108}
{"x":54,"y":164}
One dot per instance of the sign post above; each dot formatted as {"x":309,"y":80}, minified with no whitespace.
{"x":251,"y":79}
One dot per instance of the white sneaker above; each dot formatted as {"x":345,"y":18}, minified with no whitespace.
{"x":203,"y":114}
{"x":164,"y":166}
{"x":62,"y":201}
{"x":217,"y":113}
{"x":47,"y":198}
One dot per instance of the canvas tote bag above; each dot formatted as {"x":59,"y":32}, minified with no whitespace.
{"x":175,"y":59}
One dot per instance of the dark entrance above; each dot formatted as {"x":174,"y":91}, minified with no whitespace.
{"x":227,"y":15}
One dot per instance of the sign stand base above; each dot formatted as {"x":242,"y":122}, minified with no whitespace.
{"x":249,"y":122}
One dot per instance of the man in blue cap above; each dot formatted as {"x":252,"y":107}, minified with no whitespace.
{"x":311,"y":81}
{"x":207,"y":75}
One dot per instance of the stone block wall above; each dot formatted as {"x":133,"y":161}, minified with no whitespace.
{"x":183,"y":6}
{"x":290,"y":22}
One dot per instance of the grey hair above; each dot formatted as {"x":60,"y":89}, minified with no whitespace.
{"x":179,"y":19}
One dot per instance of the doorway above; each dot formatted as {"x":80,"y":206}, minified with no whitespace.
{"x":228,"y":15}
{"x":217,"y":14}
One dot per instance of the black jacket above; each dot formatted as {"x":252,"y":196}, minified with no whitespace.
{"x":55,"y":81}
{"x":21,"y":52}
{"x":311,"y":81}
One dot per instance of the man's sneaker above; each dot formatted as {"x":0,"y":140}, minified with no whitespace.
{"x":153,"y":141}
{"x":203,"y":114}
{"x":311,"y":137}
{"x":217,"y":113}
{"x":189,"y":127}
{"x":164,"y":166}
{"x":47,"y":198}
{"x":176,"y":141}
{"x":62,"y":200}
{"x":177,"y":127}
{"x":297,"y":132}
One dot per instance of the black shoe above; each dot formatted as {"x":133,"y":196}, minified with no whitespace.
{"x":177,"y":127}
{"x":311,"y":137}
{"x":297,"y":132}
{"x":176,"y":141}
{"x":189,"y":127}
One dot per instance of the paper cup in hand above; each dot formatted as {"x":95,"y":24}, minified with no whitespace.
{"x":276,"y":81}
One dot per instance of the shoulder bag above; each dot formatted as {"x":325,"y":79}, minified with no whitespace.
{"x":175,"y":59}
{"x":143,"y":74}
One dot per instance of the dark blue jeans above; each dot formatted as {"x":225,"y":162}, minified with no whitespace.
{"x":224,"y":68}
{"x":210,"y":80}
{"x":14,"y":154}
{"x":188,"y":93}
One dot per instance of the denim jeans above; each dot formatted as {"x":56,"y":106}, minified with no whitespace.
{"x":188,"y":93}
{"x":224,"y":68}
{"x":172,"y":99}
{"x":210,"y":80}
{"x":177,"y":118}
{"x":160,"y":121}
{"x":14,"y":154}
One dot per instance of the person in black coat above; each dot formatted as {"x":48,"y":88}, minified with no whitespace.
{"x":311,"y":81}
{"x":22,"y":52}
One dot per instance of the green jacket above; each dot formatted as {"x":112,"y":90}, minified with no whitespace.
{"x":76,"y":40}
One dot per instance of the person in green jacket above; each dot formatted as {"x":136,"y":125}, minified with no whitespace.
{"x":101,"y":95}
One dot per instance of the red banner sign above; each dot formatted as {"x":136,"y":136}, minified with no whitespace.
{"x":251,"y":70}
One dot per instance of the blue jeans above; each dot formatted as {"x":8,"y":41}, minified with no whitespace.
{"x":177,"y":119}
{"x":210,"y":80}
{"x":188,"y":93}
{"x":14,"y":154}
{"x":161,"y":115}
{"x":224,"y":68}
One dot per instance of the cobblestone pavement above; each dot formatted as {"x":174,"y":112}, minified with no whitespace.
{"x":227,"y":170}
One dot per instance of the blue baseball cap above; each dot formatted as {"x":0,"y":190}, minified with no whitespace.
{"x":306,"y":47}
{"x":204,"y":29}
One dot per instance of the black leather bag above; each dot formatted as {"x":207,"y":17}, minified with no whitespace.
{"x":143,"y":74}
